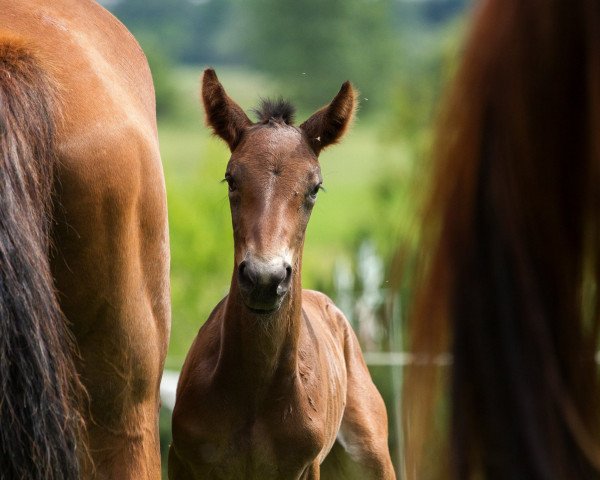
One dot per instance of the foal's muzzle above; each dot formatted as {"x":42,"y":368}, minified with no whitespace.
{"x":264,"y":284}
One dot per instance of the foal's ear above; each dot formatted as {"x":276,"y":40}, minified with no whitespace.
{"x":223,"y":115}
{"x":329,"y":124}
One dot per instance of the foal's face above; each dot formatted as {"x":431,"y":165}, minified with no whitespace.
{"x":273,"y":179}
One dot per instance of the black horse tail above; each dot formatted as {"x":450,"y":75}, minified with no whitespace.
{"x":40,"y":423}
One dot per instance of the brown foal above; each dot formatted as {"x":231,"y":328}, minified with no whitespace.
{"x":275,"y":385}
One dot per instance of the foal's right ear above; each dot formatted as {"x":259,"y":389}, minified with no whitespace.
{"x":223,"y":115}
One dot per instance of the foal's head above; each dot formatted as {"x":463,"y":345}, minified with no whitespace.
{"x":274,"y":177}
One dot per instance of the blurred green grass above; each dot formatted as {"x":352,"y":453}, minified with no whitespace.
{"x":364,"y":198}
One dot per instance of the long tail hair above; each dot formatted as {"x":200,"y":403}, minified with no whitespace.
{"x":512,"y":269}
{"x":40,"y":426}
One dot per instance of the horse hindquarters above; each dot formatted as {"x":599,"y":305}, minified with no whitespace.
{"x":38,"y":381}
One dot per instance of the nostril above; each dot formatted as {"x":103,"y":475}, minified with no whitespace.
{"x":284,"y":285}
{"x":244,"y":275}
{"x":288,"y":272}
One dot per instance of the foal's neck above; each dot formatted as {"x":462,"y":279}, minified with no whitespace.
{"x":261,"y":349}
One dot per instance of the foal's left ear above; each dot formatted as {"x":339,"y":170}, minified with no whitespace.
{"x":329,"y":124}
{"x":223,"y":115}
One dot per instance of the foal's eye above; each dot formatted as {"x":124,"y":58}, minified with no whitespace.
{"x":315,"y":191}
{"x":230,"y":182}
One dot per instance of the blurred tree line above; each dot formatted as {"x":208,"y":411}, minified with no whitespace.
{"x":308,"y":46}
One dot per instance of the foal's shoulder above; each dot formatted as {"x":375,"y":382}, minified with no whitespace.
{"x":316,"y":303}
{"x":318,"y":306}
{"x":315,"y":300}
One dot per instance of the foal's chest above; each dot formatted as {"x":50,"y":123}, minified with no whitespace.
{"x":279,"y":444}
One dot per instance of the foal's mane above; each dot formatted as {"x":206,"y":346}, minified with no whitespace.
{"x":278,"y":110}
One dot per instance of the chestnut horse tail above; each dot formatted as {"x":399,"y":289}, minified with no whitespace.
{"x":511,"y":279}
{"x":40,"y":424}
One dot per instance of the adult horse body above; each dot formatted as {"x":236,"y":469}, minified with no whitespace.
{"x":86,"y":294}
{"x":275,"y":386}
{"x":510,"y":275}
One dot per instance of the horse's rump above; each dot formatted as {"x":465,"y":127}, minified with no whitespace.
{"x":39,"y":386}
